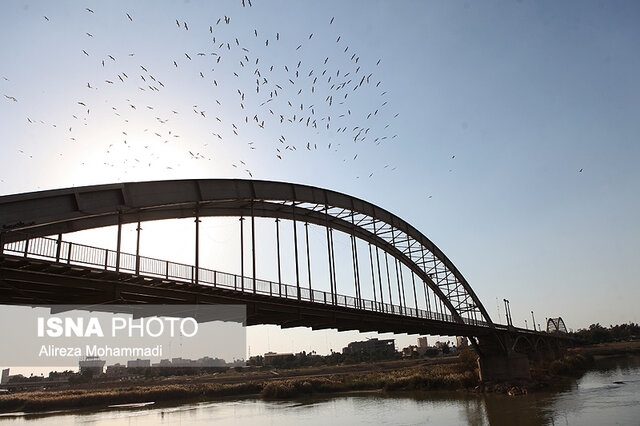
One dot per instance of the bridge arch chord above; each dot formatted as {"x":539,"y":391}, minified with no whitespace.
{"x":542,"y":343}
{"x":556,"y":325}
{"x":523,"y":344}
{"x":53,"y":212}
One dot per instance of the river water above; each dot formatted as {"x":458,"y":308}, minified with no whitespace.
{"x":607,"y":395}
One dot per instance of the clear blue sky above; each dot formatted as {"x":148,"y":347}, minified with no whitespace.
{"x":523,"y":94}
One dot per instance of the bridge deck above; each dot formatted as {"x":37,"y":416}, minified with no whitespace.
{"x":48,"y":271}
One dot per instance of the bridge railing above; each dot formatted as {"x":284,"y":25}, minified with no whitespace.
{"x":46,"y":248}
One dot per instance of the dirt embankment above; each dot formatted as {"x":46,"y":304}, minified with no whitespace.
{"x":608,"y":349}
{"x":426,"y":374}
{"x":444,"y":373}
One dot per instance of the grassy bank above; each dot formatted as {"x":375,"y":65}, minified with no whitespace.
{"x":429,"y":374}
{"x":571,"y":365}
{"x":608,"y":349}
{"x":60,"y":400}
{"x":429,"y":377}
{"x":421,"y":378}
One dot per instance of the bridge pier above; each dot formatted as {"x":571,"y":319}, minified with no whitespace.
{"x":498,"y":362}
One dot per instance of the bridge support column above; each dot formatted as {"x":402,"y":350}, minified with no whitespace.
{"x":295,"y":249}
{"x":386,"y":262}
{"x":58,"y":247}
{"x":278,"y":251}
{"x":373,"y":280}
{"x":253,"y":248}
{"x":241,"y":254}
{"x":138,"y":229}
{"x":197,"y":248}
{"x":356,"y":272}
{"x":118,"y":243}
{"x":379,"y":274}
{"x":498,"y":362}
{"x":306,"y":232}
{"x":330,"y":257}
{"x":333,"y":268}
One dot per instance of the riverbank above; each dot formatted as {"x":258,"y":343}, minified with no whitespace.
{"x":608,"y":349}
{"x":421,"y":375}
{"x":395,"y":376}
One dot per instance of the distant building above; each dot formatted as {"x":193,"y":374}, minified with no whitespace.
{"x":180,"y":362}
{"x":423,"y":342}
{"x":462,"y":342}
{"x":423,"y":346}
{"x":92,"y":363}
{"x":410,"y":351}
{"x":446,"y":348}
{"x":211,"y":362}
{"x":163,"y":363}
{"x":139,"y":363}
{"x":185,"y":362}
{"x":271,"y":358}
{"x":117,"y":370}
{"x":385,"y":347}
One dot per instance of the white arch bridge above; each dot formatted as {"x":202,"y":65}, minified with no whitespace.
{"x":38,"y":266}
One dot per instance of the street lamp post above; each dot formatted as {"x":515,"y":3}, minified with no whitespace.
{"x":507,"y":311}
{"x":534,"y":321}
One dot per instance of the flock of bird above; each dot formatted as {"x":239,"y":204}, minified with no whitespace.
{"x":305,"y":95}
{"x":320,"y":97}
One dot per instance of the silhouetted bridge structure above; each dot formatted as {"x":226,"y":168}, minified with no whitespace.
{"x":39,"y":267}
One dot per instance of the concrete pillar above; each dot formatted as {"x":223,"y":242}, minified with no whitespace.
{"x":503,"y":367}
{"x":498,"y":362}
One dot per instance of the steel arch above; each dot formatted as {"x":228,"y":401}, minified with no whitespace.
{"x":51,"y":212}
{"x":556,"y":325}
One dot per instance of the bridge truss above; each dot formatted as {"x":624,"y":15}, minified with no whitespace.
{"x":26,"y":218}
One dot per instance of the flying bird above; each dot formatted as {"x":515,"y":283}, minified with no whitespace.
{"x":129,"y":16}
{"x":89,"y":10}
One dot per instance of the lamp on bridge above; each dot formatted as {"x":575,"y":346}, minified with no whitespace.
{"x":507,"y":311}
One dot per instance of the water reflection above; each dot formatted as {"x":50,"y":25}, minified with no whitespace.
{"x":609,"y":394}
